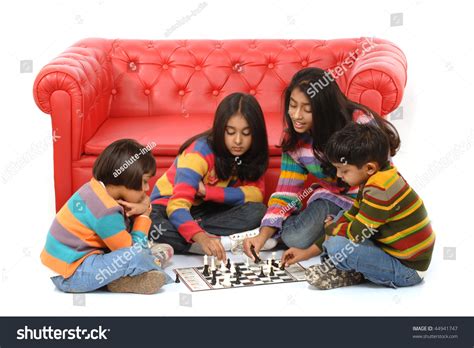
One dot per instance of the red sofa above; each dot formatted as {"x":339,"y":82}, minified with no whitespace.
{"x":164,"y":91}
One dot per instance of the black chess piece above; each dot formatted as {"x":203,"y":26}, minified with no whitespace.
{"x":228,"y":264}
{"x":282,"y":267}
{"x":214,"y":280}
{"x":274,"y":263}
{"x":205,"y":272}
{"x":261,"y":272}
{"x":237,"y":278}
{"x":272,"y":274}
{"x":254,"y":254}
{"x":177,"y":278}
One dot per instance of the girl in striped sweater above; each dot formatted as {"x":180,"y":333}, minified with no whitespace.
{"x":215,"y":186}
{"x":386,"y":236}
{"x":312,"y":115}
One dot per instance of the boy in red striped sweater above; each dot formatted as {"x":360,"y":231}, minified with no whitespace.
{"x":386,"y":236}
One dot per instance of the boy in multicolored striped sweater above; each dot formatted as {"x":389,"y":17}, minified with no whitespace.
{"x":386,"y":236}
{"x":89,"y":245}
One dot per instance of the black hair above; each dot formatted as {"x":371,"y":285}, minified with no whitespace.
{"x":123,"y":163}
{"x":254,"y":163}
{"x":331,"y":111}
{"x":358,"y":144}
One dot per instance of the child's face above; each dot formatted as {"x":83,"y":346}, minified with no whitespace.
{"x":238,"y":136}
{"x":354,"y":176}
{"x":300,"y":111}
{"x":134,"y":196}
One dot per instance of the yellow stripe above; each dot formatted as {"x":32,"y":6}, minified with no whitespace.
{"x":193,"y":161}
{"x":367,"y":222}
{"x":407,"y":212}
{"x":406,"y":254}
{"x":390,"y":180}
{"x":405,"y":232}
{"x":285,"y":174}
{"x":164,"y":185}
{"x":252,"y":194}
{"x":177,"y":203}
{"x":388,"y":207}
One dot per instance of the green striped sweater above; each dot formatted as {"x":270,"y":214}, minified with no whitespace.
{"x":389,"y":212}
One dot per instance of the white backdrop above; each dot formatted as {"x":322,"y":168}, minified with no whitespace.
{"x":435,"y":122}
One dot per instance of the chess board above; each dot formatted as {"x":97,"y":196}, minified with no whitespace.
{"x":195,"y":280}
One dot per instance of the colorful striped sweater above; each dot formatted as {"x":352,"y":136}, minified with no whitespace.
{"x":389,"y":212}
{"x":177,"y":187}
{"x":91,"y":222}
{"x":295,"y":167}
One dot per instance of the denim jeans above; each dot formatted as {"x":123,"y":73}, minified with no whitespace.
{"x":367,"y":258}
{"x":215,"y":218}
{"x":98,"y":270}
{"x":303,"y":229}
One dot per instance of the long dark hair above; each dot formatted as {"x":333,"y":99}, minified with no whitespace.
{"x":331,"y":111}
{"x":253,"y":164}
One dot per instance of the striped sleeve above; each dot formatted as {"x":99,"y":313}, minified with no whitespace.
{"x":285,"y":200}
{"x":249,"y":192}
{"x":112,"y":230}
{"x":190,"y":169}
{"x":365,"y":217}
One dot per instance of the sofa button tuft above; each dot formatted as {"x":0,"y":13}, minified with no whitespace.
{"x":147,"y":91}
{"x":181,"y":92}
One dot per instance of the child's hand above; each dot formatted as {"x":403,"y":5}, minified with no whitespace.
{"x":294,"y":255}
{"x":201,"y":190}
{"x":329,"y":220}
{"x":211,"y":245}
{"x":142,"y":208}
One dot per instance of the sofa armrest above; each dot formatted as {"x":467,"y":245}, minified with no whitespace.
{"x":85,"y":75}
{"x":378,"y":77}
{"x":75,"y":89}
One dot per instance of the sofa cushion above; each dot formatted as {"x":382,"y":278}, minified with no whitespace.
{"x":168,"y":132}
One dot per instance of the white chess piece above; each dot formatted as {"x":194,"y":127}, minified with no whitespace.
{"x":247,"y":262}
{"x":213,"y":263}
{"x":205,"y":260}
{"x":232,"y":267}
{"x":223,"y":268}
{"x":226,"y":282}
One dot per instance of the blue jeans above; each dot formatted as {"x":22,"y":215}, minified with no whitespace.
{"x":370,"y":260}
{"x":98,"y":270}
{"x":303,"y":229}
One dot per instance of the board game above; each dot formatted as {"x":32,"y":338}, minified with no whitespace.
{"x":237,"y":275}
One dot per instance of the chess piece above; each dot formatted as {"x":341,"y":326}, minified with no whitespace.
{"x":272,"y":274}
{"x":205,"y":272}
{"x":237,"y":278}
{"x":254,"y":254}
{"x":213,"y":263}
{"x":282,"y":265}
{"x":226,"y":282}
{"x":261,"y":272}
{"x":228,"y":264}
{"x":214,"y":280}
{"x":232,"y":268}
{"x":177,"y":278}
{"x":223,"y":269}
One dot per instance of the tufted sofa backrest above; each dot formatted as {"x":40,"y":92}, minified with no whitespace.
{"x":153,"y":78}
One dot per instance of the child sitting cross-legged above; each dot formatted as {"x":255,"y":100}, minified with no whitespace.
{"x":386,"y":236}
{"x":90,"y":243}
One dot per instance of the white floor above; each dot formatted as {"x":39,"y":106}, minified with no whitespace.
{"x":436,"y":125}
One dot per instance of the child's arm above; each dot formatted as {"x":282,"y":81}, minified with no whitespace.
{"x":294,"y":255}
{"x":190,"y":169}
{"x":112,"y":230}
{"x":365,"y":218}
{"x":250,"y":192}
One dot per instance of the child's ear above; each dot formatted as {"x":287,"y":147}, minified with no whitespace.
{"x":372,"y":168}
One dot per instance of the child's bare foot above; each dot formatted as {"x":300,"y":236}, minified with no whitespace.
{"x":146,"y":283}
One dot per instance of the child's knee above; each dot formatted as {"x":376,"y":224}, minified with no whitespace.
{"x":295,"y":240}
{"x":336,"y":244}
{"x":256,"y":210}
